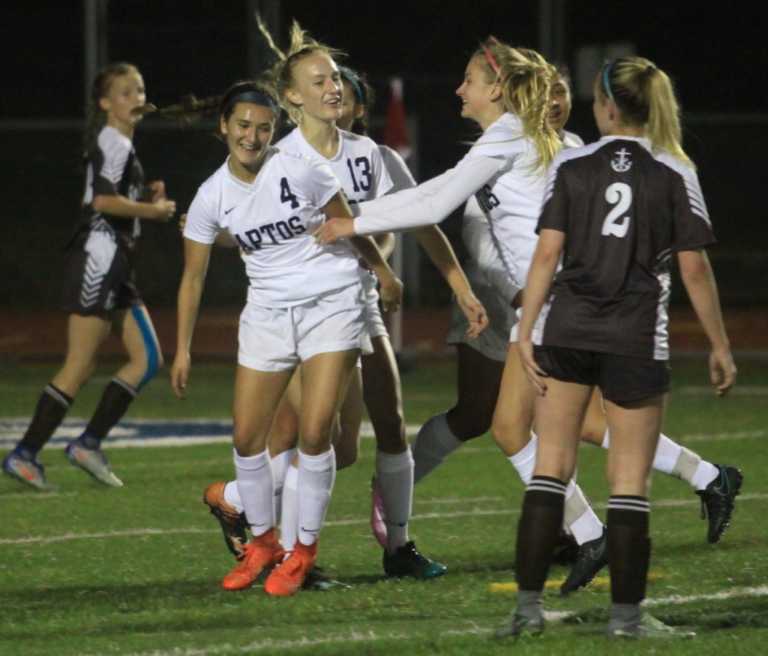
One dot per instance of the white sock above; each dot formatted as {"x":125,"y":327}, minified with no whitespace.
{"x":394,"y":475}
{"x":674,"y":459}
{"x":232,"y":496}
{"x":579,"y":519}
{"x":254,"y":482}
{"x":279,"y":466}
{"x":289,"y":515}
{"x":606,"y":439}
{"x":434,"y":442}
{"x":524,"y":461}
{"x":705,"y":473}
{"x":315,"y":484}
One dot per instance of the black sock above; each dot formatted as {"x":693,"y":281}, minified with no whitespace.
{"x":49,"y":412}
{"x":114,"y":402}
{"x":629,"y":547}
{"x":537,"y":531}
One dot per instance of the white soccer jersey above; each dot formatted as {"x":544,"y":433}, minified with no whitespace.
{"x":571,"y":140}
{"x":273,"y":223}
{"x":398,"y":170}
{"x":479,"y":239}
{"x":512,"y":201}
{"x":357,"y":164}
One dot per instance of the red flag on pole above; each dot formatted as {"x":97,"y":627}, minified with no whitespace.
{"x":396,"y":128}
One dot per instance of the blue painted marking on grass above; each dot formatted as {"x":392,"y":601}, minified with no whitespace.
{"x":138,"y":432}
{"x":142,"y":432}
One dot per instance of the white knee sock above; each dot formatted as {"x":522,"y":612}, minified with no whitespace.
{"x":434,"y":442}
{"x":289,"y":515}
{"x":524,"y":461}
{"x":394,"y":474}
{"x":279,"y":466}
{"x":579,"y":519}
{"x":315,"y":483}
{"x":674,"y":459}
{"x":254,"y":482}
{"x":232,"y":496}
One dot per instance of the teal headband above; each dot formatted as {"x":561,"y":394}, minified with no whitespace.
{"x":606,"y":77}
{"x":354,"y":79}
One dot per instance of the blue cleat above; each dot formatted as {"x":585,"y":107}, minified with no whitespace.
{"x":92,"y":461}
{"x":26,"y":470}
{"x":407,"y":561}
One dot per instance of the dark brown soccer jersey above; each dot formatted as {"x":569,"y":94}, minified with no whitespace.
{"x":625,"y":211}
{"x":113,"y":169}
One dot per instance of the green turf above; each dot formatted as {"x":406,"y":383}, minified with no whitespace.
{"x":136,"y":570}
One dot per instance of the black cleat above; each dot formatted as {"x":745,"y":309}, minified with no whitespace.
{"x":232,"y":522}
{"x":592,"y":557}
{"x":717,"y":500}
{"x":566,"y":550}
{"x":407,"y":561}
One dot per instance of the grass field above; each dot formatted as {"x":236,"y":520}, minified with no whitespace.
{"x":91,"y":571}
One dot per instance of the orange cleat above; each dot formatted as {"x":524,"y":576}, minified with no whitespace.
{"x":260,"y":553}
{"x":232,"y":522}
{"x":289,"y":576}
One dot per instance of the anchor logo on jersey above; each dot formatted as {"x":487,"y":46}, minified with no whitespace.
{"x":622,"y":162}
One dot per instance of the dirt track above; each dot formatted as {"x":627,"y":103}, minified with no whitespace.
{"x":40,"y":334}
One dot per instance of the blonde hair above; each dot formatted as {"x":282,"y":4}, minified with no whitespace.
{"x":301,"y":45}
{"x":525,"y":78}
{"x":645,"y":97}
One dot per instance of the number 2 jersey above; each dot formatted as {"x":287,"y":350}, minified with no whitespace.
{"x":625,"y":211}
{"x":273,"y":219}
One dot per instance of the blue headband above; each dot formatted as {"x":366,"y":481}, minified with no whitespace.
{"x":607,"y":69}
{"x":252,"y":96}
{"x":354,"y":79}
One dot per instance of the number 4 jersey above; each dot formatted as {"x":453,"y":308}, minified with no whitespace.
{"x":273,"y":220}
{"x":625,"y":211}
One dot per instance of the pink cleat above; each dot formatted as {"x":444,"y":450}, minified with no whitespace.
{"x":378,"y":526}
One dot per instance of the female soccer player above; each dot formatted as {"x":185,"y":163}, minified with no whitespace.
{"x":615,"y":212}
{"x":357,"y":162}
{"x":506,"y":93}
{"x":481,"y":361}
{"x":100,"y":294}
{"x":304,"y":306}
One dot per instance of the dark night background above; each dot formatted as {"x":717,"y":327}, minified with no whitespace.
{"x":716,"y":54}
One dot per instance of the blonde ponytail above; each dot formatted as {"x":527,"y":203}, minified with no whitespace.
{"x":645,"y":97}
{"x":526,"y":79}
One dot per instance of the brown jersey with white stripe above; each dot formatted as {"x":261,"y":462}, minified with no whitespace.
{"x":625,"y":211}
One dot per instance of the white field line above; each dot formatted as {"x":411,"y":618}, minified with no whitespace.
{"x":352,"y":521}
{"x":371,"y":636}
{"x":737,"y":390}
{"x":187,"y":432}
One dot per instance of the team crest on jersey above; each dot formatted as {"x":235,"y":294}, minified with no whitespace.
{"x":622,"y":162}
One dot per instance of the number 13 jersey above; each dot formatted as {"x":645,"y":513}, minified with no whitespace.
{"x":625,"y":210}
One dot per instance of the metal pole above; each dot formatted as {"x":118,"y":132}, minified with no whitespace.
{"x":90,"y":54}
{"x":95,"y":51}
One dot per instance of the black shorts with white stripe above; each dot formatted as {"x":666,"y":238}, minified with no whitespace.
{"x":99,"y":274}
